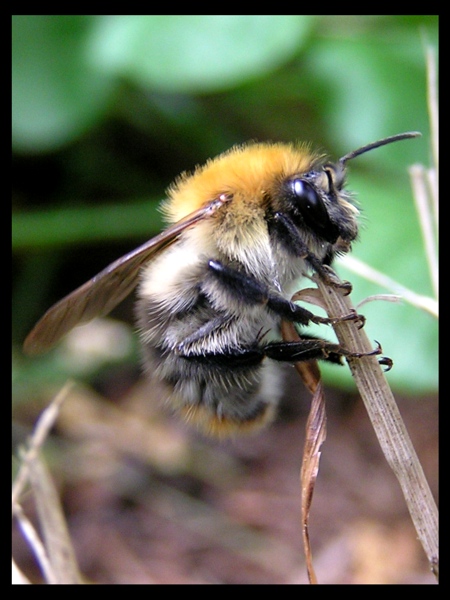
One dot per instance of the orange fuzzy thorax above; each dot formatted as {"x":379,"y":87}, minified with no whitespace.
{"x":247,"y":172}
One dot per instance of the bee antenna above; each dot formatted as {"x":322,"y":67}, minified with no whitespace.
{"x":383,"y":142}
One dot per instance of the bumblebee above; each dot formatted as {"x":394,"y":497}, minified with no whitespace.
{"x":214,"y":287}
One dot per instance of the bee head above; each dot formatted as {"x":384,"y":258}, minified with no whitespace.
{"x":317,"y":200}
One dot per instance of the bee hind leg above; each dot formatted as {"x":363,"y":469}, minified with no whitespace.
{"x":303,"y":350}
{"x":312,"y":348}
{"x":229,"y":358}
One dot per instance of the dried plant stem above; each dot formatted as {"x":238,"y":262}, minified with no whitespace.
{"x":433,"y":104}
{"x":356,"y":265}
{"x":419,"y":179}
{"x":55,"y":554}
{"x":42,"y":428}
{"x":387,"y":422}
{"x":316,"y":432}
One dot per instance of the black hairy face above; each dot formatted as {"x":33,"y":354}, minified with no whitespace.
{"x":316,"y":202}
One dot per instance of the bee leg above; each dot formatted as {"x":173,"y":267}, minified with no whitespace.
{"x":287,"y":233}
{"x":249,"y":290}
{"x":297,"y":314}
{"x":230,"y":358}
{"x":303,"y":350}
{"x":387,"y":362}
{"x":312,"y":348}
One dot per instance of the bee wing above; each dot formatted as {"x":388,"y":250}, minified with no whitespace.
{"x":107,"y":289}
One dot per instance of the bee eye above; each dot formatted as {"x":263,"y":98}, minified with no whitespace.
{"x":309,"y":204}
{"x":306,"y":207}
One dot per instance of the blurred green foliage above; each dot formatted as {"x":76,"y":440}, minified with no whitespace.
{"x":107,"y":110}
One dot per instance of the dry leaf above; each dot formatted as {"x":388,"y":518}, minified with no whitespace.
{"x":315,"y":436}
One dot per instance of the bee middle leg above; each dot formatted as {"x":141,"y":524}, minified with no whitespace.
{"x":251,"y":291}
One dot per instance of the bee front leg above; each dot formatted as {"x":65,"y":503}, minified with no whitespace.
{"x":249,"y":290}
{"x":287,"y":233}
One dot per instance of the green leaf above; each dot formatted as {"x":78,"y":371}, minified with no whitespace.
{"x":199,"y":52}
{"x":370,"y":84}
{"x":68,"y":226}
{"x":56,"y":94}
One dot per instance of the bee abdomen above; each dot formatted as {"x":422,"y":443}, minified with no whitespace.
{"x":221,"y":393}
